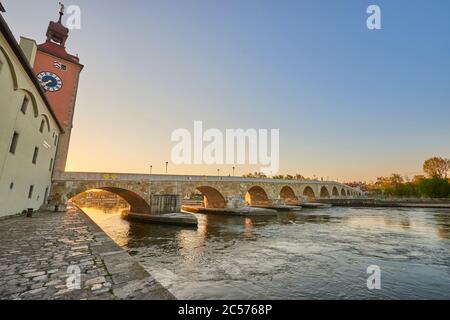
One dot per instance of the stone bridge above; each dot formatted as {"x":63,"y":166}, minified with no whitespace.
{"x":153,"y":194}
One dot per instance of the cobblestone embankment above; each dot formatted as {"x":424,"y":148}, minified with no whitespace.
{"x":40,"y":258}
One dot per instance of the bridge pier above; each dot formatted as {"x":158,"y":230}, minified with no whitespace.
{"x":169,"y":203}
{"x":278,"y":202}
{"x":235,"y":202}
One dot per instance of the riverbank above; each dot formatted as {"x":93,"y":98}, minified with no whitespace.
{"x":390,"y":203}
{"x":67,"y":256}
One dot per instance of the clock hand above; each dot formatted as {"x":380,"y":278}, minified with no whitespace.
{"x":46,"y":83}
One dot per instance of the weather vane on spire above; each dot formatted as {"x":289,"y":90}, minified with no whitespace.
{"x":62,"y":8}
{"x":61,"y":11}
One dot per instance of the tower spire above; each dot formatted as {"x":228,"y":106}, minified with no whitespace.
{"x":56,"y":32}
{"x":61,"y":12}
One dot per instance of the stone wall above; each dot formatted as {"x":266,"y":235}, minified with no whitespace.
{"x":159,"y":194}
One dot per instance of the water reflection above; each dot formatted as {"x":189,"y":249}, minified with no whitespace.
{"x":248,"y":228}
{"x":312,"y":254}
{"x":401,"y":221}
{"x":443,"y":225}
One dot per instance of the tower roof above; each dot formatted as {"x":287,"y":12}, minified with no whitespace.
{"x":57,"y":35}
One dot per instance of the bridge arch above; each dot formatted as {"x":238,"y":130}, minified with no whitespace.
{"x":343,"y":193}
{"x":288,"y":196}
{"x":335,"y":192}
{"x":324,"y":193}
{"x":212,"y":197}
{"x":257,"y":196}
{"x":309,"y":192}
{"x":136,"y":202}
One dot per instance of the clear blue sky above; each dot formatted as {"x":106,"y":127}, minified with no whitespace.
{"x":350,"y":103}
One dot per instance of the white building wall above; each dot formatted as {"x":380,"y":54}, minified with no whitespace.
{"x":17,"y":172}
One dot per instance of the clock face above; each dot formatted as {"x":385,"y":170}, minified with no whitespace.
{"x":50,"y":81}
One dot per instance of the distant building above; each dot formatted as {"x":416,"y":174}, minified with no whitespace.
{"x":38,"y":86}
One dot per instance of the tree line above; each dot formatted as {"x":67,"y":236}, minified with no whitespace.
{"x":433,"y":184}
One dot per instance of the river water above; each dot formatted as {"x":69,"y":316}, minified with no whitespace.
{"x":315,"y":254}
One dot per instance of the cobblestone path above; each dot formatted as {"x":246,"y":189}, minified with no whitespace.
{"x":40,"y":258}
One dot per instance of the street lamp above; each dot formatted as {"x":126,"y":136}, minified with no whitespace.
{"x":218,"y":172}
{"x":233,"y":170}
{"x":151,"y":168}
{"x":167,"y":163}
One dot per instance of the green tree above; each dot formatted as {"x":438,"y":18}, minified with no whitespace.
{"x":394,"y":186}
{"x":436,"y":167}
{"x":435,"y":187}
{"x":396,"y":179}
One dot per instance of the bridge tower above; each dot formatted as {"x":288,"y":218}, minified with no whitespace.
{"x":58,"y":73}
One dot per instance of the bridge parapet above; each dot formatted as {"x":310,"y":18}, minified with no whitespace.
{"x":94,"y":176}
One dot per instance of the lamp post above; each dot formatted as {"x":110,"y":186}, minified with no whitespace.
{"x":233,"y":170}
{"x":218,"y":172}
{"x":151,"y":169}
{"x":167,"y":163}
